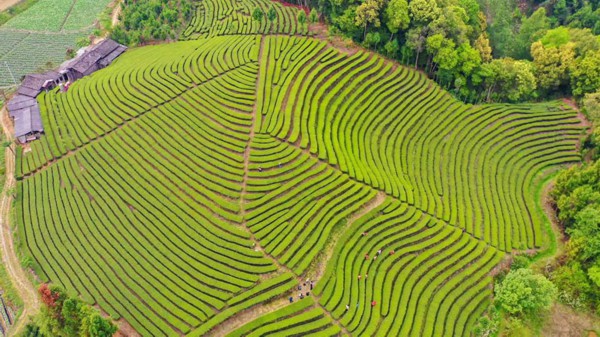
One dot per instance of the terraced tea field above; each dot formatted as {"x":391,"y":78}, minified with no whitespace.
{"x":230,"y":17}
{"x":189,"y":187}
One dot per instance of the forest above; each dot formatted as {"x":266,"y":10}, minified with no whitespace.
{"x":145,"y":21}
{"x":492,"y":51}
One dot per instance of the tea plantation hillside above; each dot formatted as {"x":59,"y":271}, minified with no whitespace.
{"x":189,"y":187}
{"x":228,"y":17}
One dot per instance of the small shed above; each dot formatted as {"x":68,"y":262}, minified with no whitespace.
{"x":24,"y":109}
{"x":25,"y":112}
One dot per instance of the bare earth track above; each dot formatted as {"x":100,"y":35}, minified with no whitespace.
{"x":5,"y":4}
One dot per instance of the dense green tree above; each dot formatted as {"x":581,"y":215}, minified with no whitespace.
{"x":522,"y":292}
{"x":511,"y":80}
{"x":452,"y":22}
{"x":501,"y":28}
{"x":347,"y":22}
{"x":594,"y":275}
{"x":120,"y":35}
{"x":591,"y":106}
{"x":575,"y":189}
{"x":258,"y":14}
{"x":69,"y":317}
{"x":422,"y":12}
{"x":443,"y":51}
{"x":489,"y":325}
{"x":32,"y":330}
{"x":573,"y":282}
{"x":532,"y":29}
{"x":415,"y":40}
{"x":396,"y":16}
{"x":272,"y":16}
{"x":301,"y":17}
{"x":587,"y":228}
{"x":552,"y":64}
{"x":372,"y":39}
{"x":313,"y":17}
{"x":556,"y":37}
{"x":585,"y":74}
{"x":469,"y":59}
{"x":583,"y":39}
{"x":143,"y":21}
{"x":561,"y":11}
{"x":482,"y":44}
{"x":473,"y":12}
{"x":367,"y":14}
{"x":83,"y":42}
{"x":585,"y":17}
{"x":96,"y":326}
{"x":391,"y":48}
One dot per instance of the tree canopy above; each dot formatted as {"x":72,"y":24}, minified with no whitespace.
{"x":144,"y":21}
{"x":522,"y":292}
{"x":66,"y":316}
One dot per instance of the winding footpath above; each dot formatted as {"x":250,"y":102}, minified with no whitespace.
{"x":24,"y":287}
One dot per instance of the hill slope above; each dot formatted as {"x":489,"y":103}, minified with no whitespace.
{"x":189,"y":182}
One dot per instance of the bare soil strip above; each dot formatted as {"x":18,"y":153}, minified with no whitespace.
{"x":26,"y":290}
{"x":5,"y":4}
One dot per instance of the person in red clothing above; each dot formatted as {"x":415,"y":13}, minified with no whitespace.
{"x":373,"y":303}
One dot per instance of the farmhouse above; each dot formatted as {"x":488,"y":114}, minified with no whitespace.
{"x":33,"y":84}
{"x":95,"y":58}
{"x":23,"y":107}
{"x":26,"y":115}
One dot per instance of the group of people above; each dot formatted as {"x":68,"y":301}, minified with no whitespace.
{"x":308,"y":283}
{"x":367,"y":257}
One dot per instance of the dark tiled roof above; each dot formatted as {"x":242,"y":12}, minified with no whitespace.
{"x":106,"y":50}
{"x":113,"y":55}
{"x":26,"y":91}
{"x":33,"y":81}
{"x":26,"y":113}
{"x":20,"y":102}
{"x":86,"y":61}
{"x":33,"y":84}
{"x":27,"y":120}
{"x":106,"y":47}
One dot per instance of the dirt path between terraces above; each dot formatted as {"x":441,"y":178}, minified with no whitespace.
{"x":5,"y":4}
{"x":116,"y":12}
{"x":26,"y":290}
